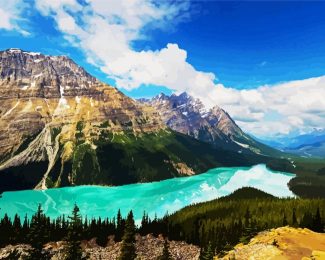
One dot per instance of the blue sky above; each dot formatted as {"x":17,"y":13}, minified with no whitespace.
{"x":214,"y":50}
{"x":249,"y":44}
{"x":246,"y":44}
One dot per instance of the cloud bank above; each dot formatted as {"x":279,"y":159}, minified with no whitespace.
{"x":106,"y":31}
{"x":279,"y":109}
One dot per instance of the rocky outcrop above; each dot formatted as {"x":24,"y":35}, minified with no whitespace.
{"x":281,"y":243}
{"x":147,"y":248}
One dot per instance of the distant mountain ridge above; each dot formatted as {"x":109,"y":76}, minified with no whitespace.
{"x":60,"y":126}
{"x":188,"y":115}
{"x":307,"y":145}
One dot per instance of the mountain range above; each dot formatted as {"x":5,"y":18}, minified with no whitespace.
{"x":60,"y":126}
{"x":306,"y":145}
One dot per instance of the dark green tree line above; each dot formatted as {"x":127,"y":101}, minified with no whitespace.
{"x":219,"y":224}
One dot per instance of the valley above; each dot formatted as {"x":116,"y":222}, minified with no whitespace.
{"x":162,"y":130}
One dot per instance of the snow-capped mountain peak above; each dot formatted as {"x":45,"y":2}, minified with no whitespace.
{"x":188,"y":115}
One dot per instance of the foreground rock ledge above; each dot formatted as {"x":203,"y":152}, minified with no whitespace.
{"x":148,"y":248}
{"x":281,"y":244}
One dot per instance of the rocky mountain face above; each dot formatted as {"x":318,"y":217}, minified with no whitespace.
{"x":53,"y":118}
{"x":186,"y":114}
{"x":40,"y":93}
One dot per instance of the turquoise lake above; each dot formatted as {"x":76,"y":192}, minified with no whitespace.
{"x":154,"y":198}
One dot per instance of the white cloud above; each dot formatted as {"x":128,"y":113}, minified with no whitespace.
{"x":5,"y":20}
{"x":109,"y":27}
{"x":106,"y":30}
{"x":299,"y":105}
{"x":11,"y":15}
{"x":46,"y":7}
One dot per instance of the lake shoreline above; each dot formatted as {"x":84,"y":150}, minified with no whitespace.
{"x":156,"y":198}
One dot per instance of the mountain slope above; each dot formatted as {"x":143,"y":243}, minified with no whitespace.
{"x":187,"y":115}
{"x":50,"y":106}
{"x":60,"y":126}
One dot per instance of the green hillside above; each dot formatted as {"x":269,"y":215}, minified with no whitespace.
{"x":127,"y":159}
{"x":226,"y":221}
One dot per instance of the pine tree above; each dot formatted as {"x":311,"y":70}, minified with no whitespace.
{"x":165,"y":253}
{"x":15,"y":234}
{"x":249,"y":229}
{"x":247,"y":217}
{"x":285,"y":221}
{"x":38,"y":234}
{"x":317,"y":222}
{"x":74,"y":251}
{"x":25,"y":228}
{"x":119,"y":227}
{"x":102,"y":237}
{"x":128,"y":251}
{"x":144,"y":224}
{"x":6,"y":228}
{"x":207,"y":253}
{"x":307,"y":220}
{"x":86,"y":228}
{"x":17,"y":224}
{"x":294,"y":218}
